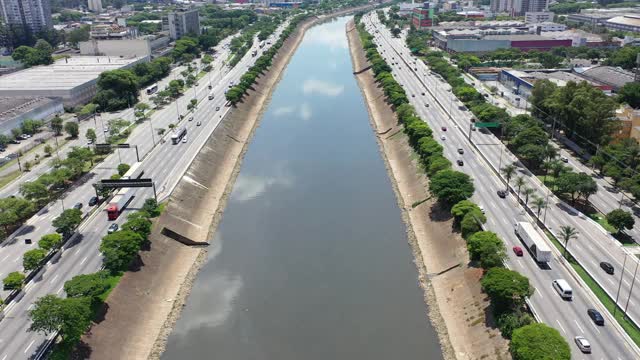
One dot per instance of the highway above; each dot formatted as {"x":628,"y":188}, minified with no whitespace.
{"x":570,"y":318}
{"x":165,"y":164}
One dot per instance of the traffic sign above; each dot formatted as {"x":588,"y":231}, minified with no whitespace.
{"x":124,"y":183}
{"x":487,"y":124}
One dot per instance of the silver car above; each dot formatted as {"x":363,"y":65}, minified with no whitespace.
{"x":583,"y":344}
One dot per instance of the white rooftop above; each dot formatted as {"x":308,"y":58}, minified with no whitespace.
{"x":64,"y":73}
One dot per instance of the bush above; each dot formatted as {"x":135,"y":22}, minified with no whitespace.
{"x":123,"y":168}
{"x":538,"y":342}
{"x":507,"y":288}
{"x":510,"y":321}
{"x":469,"y":225}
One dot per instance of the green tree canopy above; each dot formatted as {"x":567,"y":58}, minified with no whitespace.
{"x":31,"y":259}
{"x":451,"y":186}
{"x":67,"y":221}
{"x":621,"y":219}
{"x":538,"y":342}
{"x":506,"y":288}
{"x":72,"y":316}
{"x":49,"y":241}
{"x":119,"y":249}
{"x":487,"y":248}
{"x":89,"y":285}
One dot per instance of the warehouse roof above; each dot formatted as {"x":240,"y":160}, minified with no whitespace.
{"x":64,"y":73}
{"x":609,"y":75}
{"x":630,"y":20}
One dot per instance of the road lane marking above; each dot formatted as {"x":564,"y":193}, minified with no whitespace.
{"x":4,"y":357}
{"x":5,"y":258}
{"x":59,"y":290}
{"x":578,"y":325}
{"x":54,"y":279}
{"x":561,"y":327}
{"x":27,"y":349}
{"x":16,"y":260}
{"x":77,"y":251}
{"x":83,"y":260}
{"x":595,"y":327}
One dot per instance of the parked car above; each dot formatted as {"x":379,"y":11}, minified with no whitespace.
{"x":481,"y":208}
{"x":607,"y":267}
{"x":460,"y":162}
{"x":423,"y":93}
{"x":518,"y":251}
{"x":583,"y":344}
{"x":502,"y":194}
{"x":596,"y":316}
{"x":77,"y":206}
{"x":93,"y":201}
{"x":112,"y":228}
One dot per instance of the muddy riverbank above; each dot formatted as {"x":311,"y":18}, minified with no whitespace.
{"x":457,"y":307}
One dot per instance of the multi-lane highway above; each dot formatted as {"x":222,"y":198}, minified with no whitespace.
{"x":569,"y":317}
{"x":165,"y":163}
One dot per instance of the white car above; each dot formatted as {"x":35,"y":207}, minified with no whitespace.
{"x":583,"y":344}
{"x":184,"y":139}
{"x":442,"y":137}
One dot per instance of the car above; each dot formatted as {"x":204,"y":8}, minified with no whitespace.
{"x":197,"y":84}
{"x":502,"y":194}
{"x":444,"y":128}
{"x":90,"y":142}
{"x":442,"y":137}
{"x":607,"y":267}
{"x":413,"y":95}
{"x":481,"y":208}
{"x":199,"y":123}
{"x":93,"y":201}
{"x":426,"y":105}
{"x":28,"y":241}
{"x":460,"y":151}
{"x":112,"y":228}
{"x":210,"y":87}
{"x":105,"y":129}
{"x":596,"y":316}
{"x":14,"y":141}
{"x":448,"y":90}
{"x":77,"y":206}
{"x":217,"y":108}
{"x":564,"y":159}
{"x":415,"y":69}
{"x":583,"y":344}
{"x":460,"y":162}
{"x":422,"y":93}
{"x":190,"y":118}
{"x":184,"y":139}
{"x":518,"y":251}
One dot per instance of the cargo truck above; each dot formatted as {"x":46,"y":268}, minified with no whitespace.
{"x":119,"y":202}
{"x":534,"y":242}
{"x":254,"y":53}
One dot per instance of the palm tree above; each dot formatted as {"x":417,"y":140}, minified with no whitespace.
{"x":539,"y":204}
{"x":508,"y":171}
{"x":520,"y":183}
{"x":527,"y":192}
{"x":567,"y":233}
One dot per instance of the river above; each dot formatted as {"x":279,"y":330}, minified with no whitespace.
{"x":310,"y":260}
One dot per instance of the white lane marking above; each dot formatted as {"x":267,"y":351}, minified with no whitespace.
{"x":595,"y":327}
{"x":83,"y":260}
{"x":578,"y":325}
{"x":54,"y":279}
{"x":27,"y":349}
{"x":561,"y":327}
{"x":520,"y":263}
{"x":59,"y":290}
{"x":4,"y":357}
{"x":77,"y":251}
{"x":626,"y":282}
{"x":16,"y":260}
{"x":5,"y":258}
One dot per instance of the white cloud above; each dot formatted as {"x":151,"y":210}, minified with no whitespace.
{"x":249,"y":187}
{"x":333,"y":37}
{"x":311,"y":86}
{"x":283,"y":110}
{"x":305,"y":111}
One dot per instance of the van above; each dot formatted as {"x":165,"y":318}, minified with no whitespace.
{"x":563,"y":289}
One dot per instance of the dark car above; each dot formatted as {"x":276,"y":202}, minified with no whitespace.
{"x":517,"y":250}
{"x":502,"y":194}
{"x":77,"y":206}
{"x":444,"y":128}
{"x":27,"y":241}
{"x":112,"y":228}
{"x":596,"y":316}
{"x":608,"y":268}
{"x":460,"y":151}
{"x":93,"y":201}
{"x":460,"y":162}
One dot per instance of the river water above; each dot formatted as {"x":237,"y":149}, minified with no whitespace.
{"x":311,"y":259}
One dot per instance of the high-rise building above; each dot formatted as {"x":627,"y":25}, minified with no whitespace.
{"x":32,"y":15}
{"x":95,"y":6}
{"x":518,"y":7}
{"x":183,"y":22}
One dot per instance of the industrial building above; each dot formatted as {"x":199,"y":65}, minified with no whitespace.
{"x":522,"y":81}
{"x":624,"y":19}
{"x":73,"y":80}
{"x":422,"y":17}
{"x":15,"y":110}
{"x":144,"y":46}
{"x":612,"y":76}
{"x":535,"y":17}
{"x":183,"y":22}
{"x":486,"y":40}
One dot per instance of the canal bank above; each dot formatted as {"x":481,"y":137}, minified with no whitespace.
{"x":142,"y":309}
{"x":457,"y":307}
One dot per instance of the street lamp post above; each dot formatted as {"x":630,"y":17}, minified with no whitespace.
{"x":633,"y":282}
{"x":615,"y":308}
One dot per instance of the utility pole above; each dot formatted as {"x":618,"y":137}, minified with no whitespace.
{"x":615,"y":308}
{"x":633,"y":282}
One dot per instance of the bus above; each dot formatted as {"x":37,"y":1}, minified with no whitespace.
{"x":261,"y":44}
{"x":152,"y":89}
{"x":178,"y":135}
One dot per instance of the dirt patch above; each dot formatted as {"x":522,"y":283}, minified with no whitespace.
{"x":457,"y":306}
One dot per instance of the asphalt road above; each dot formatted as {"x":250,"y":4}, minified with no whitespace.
{"x":165,"y":163}
{"x":570,"y":318}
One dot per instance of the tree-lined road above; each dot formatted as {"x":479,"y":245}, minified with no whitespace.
{"x":570,"y":318}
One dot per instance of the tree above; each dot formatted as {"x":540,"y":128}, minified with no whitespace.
{"x":620,"y":219}
{"x":72,"y":128}
{"x":91,"y":135}
{"x":13,"y":280}
{"x":630,"y":94}
{"x":451,"y":186}
{"x":90,"y":286}
{"x":14,"y":210}
{"x":508,"y":171}
{"x":538,"y":342}
{"x":151,"y":207}
{"x":528,"y":192}
{"x":139,"y":224}
{"x":48,"y":150}
{"x":520,"y":182}
{"x":71,"y":316}
{"x":508,"y":322}
{"x":49,"y":241}
{"x":487,"y":248}
{"x":507,"y":289}
{"x":31,"y":259}
{"x":119,"y":249}
{"x":396,"y":32}
{"x":123,"y":168}
{"x":56,"y":125}
{"x":462,"y":208}
{"x":68,"y":221}
{"x":35,"y":191}
{"x":567,"y":233}
{"x":539,"y":204}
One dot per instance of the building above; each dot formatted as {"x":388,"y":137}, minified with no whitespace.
{"x":548,"y":27}
{"x":422,"y":17}
{"x":140,"y":47}
{"x":32,"y":15}
{"x":536,"y":17}
{"x":407,"y":8}
{"x":486,"y":40}
{"x":72,"y":80}
{"x":183,"y":22}
{"x":609,"y":75}
{"x":95,"y":6}
{"x":112,"y":32}
{"x":624,"y":23}
{"x":518,"y":7}
{"x":521,"y":82}
{"x":625,"y":18}
{"x":15,"y":110}
{"x":471,"y":14}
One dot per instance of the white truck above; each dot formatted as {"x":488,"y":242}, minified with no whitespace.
{"x":536,"y":244}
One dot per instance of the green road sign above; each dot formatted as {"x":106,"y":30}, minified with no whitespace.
{"x":487,"y":124}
